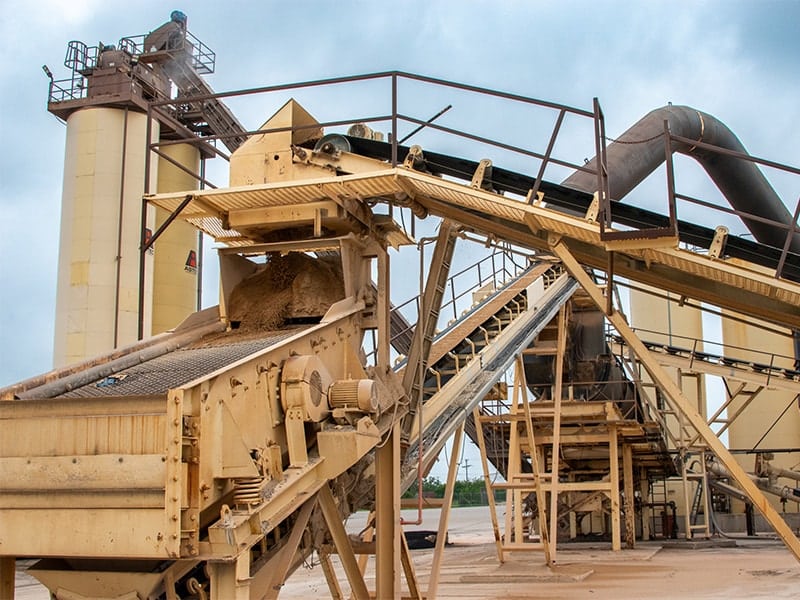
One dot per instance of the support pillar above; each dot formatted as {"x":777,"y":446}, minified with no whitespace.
{"x":8,"y":567}
{"x":647,"y":511}
{"x":556,"y":451}
{"x":537,"y":464}
{"x":280,"y":569}
{"x":334,"y":521}
{"x":627,"y":477}
{"x":487,"y":480}
{"x":613,"y":456}
{"x":231,"y":580}
{"x":387,"y":517}
{"x":414,"y":591}
{"x":444,"y":515}
{"x":383,"y":312}
{"x":330,"y":576}
{"x":687,"y":500}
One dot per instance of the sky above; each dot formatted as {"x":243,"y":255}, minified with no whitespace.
{"x":733,"y":59}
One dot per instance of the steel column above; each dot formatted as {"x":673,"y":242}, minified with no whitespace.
{"x":7,"y":576}
{"x":230,"y":580}
{"x":387,"y":517}
{"x":444,"y":515}
{"x":522,"y":387}
{"x":627,"y":478}
{"x":280,"y":568}
{"x":384,"y":308}
{"x":476,"y":416}
{"x":342,"y":543}
{"x":561,"y":345}
{"x":613,"y":457}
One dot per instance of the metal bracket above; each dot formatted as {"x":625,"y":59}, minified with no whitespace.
{"x":534,"y":199}
{"x":593,"y":210}
{"x":414,"y":159}
{"x":482,"y":178}
{"x":718,"y":243}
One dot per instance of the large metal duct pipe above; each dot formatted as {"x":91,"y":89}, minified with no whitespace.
{"x":640,"y":150}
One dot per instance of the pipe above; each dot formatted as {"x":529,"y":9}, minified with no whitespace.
{"x":640,"y":150}
{"x":118,"y":270}
{"x":762,"y":483}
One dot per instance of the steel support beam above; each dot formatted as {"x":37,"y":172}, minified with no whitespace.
{"x":476,"y":415}
{"x":7,"y":575}
{"x":613,"y":458}
{"x":387,"y":517}
{"x":627,"y":478}
{"x":330,"y":576}
{"x":334,"y":521}
{"x":431,"y":304}
{"x":556,"y":451}
{"x":384,"y":311}
{"x":280,"y":568}
{"x":230,"y":580}
{"x":414,"y":591}
{"x":444,"y":515}
{"x":670,"y":388}
{"x":521,"y":388}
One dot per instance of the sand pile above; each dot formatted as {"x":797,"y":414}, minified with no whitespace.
{"x":291,"y":287}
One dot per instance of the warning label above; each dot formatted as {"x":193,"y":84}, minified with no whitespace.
{"x":191,"y":262}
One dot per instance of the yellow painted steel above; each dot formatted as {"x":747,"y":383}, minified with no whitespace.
{"x":764,"y":417}
{"x":98,"y":265}
{"x":658,"y":317}
{"x":268,"y":157}
{"x":680,"y":403}
{"x":176,"y":251}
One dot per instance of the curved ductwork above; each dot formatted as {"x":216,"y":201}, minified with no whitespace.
{"x":640,"y":150}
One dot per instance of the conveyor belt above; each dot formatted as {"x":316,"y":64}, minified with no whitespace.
{"x":472,"y":384}
{"x":576,"y":201}
{"x":177,"y":368}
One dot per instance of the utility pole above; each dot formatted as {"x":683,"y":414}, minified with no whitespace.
{"x":466,"y":469}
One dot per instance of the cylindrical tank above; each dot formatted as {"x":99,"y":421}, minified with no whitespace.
{"x":763,"y":416}
{"x":176,"y":250}
{"x":657,"y":317}
{"x":98,"y":264}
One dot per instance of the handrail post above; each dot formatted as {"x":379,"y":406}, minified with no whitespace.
{"x":394,"y":119}
{"x":673,"y":216}
{"x":787,"y":244}
{"x":538,"y":182}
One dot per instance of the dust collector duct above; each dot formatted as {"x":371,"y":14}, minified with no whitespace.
{"x":640,"y":150}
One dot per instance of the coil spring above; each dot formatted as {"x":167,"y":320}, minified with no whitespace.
{"x":247,"y":491}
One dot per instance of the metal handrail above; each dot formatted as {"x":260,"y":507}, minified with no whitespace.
{"x":497,"y":274}
{"x":791,"y":228}
{"x":768,"y":362}
{"x":395,"y":117}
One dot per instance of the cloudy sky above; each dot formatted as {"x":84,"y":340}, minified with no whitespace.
{"x":733,"y":59}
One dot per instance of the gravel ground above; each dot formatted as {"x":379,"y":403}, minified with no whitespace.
{"x":753,"y":569}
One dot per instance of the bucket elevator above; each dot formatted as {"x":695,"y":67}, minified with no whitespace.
{"x":210,"y":459}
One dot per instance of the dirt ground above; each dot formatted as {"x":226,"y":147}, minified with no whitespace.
{"x":761,"y":568}
{"x":752,"y":569}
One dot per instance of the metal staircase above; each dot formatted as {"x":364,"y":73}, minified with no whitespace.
{"x":196,"y":105}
